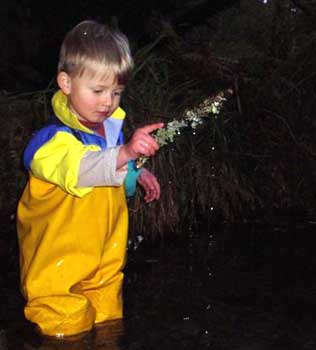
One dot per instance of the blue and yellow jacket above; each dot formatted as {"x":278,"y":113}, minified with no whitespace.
{"x":55,"y":152}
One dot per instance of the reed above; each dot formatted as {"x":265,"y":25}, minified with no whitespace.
{"x":255,"y":160}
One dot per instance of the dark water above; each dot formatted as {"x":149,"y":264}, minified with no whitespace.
{"x":247,"y":287}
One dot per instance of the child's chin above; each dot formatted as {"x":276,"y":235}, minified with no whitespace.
{"x":100,"y":118}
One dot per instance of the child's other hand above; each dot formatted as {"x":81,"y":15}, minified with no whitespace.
{"x":150,"y":185}
{"x":142,"y":143}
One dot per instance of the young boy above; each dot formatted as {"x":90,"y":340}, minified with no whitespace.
{"x":72,"y":217}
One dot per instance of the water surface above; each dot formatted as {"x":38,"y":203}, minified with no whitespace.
{"x":239,"y":287}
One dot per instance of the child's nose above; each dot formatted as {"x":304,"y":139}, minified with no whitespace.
{"x":107,"y":100}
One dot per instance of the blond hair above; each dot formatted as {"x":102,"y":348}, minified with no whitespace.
{"x":90,"y":44}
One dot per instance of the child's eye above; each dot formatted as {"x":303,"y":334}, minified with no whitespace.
{"x":118,"y":93}
{"x":97,"y":91}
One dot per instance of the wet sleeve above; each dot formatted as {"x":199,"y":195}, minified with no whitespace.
{"x":99,"y":169}
{"x":131,"y":178}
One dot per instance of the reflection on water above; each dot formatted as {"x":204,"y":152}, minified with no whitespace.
{"x":243,"y":287}
{"x":106,"y":336}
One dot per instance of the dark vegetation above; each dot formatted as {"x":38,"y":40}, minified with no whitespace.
{"x":256,"y":161}
{"x":247,"y":284}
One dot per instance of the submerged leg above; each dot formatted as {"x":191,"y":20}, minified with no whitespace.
{"x":104,"y":289}
{"x":65,"y":240}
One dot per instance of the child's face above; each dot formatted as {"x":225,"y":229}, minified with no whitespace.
{"x":93,"y":98}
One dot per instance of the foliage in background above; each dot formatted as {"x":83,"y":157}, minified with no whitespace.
{"x":256,"y":160}
{"x":200,"y":179}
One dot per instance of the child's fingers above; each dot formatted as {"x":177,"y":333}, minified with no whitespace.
{"x":146,"y":148}
{"x":152,"y":127}
{"x":148,"y":145}
{"x":151,"y":186}
{"x":143,"y":143}
{"x":155,"y":188}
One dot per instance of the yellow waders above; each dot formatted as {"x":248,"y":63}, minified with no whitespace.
{"x":72,"y":251}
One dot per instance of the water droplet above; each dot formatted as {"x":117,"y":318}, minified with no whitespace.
{"x":59,"y":335}
{"x":139,"y":238}
{"x":60,"y":262}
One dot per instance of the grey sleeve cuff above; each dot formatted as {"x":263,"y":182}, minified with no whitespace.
{"x":99,"y":169}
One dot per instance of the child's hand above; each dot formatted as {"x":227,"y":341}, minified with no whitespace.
{"x":142,"y":143}
{"x":150,"y":185}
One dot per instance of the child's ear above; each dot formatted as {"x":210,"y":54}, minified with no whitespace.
{"x":64,"y":82}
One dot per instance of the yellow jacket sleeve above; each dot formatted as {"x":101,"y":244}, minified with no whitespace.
{"x":58,"y":162}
